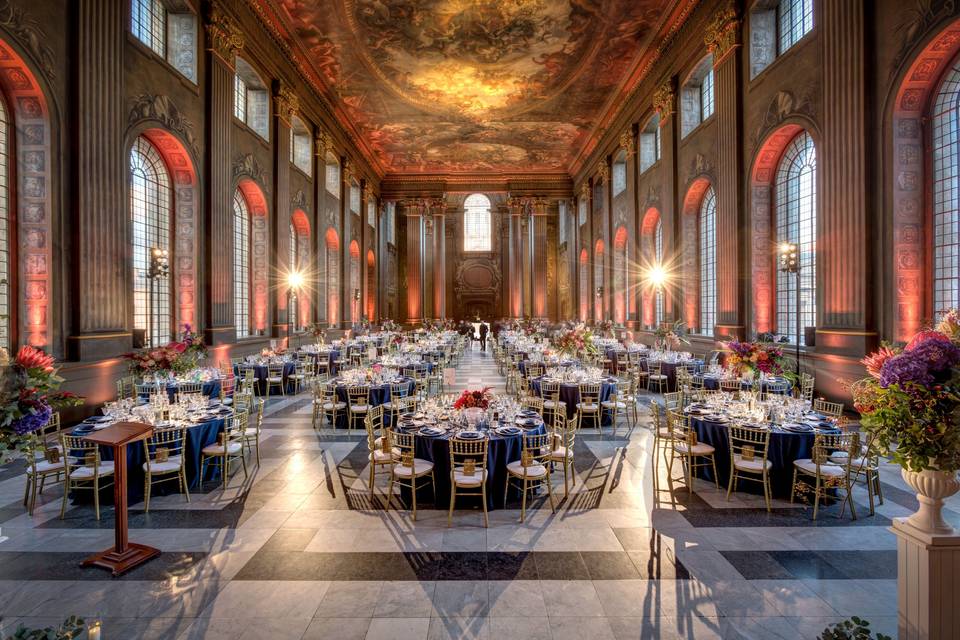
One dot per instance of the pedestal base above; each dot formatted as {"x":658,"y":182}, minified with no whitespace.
{"x":928,"y":595}
{"x":117,"y":563}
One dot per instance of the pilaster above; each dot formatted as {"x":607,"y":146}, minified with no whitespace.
{"x":285,"y":106}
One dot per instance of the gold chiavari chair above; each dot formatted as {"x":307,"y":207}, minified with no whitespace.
{"x":684,"y":379}
{"x":148,"y":390}
{"x":686,"y":446}
{"x":435,"y":378}
{"x":534,"y":370}
{"x":656,"y":377}
{"x":275,"y":379}
{"x":662,"y":435}
{"x":228,"y":386}
{"x":553,"y":406}
{"x":188,"y":388}
{"x":777,"y":388}
{"x":616,"y":405}
{"x":251,"y":436}
{"x":561,"y":451}
{"x":533,"y":403}
{"x":865,"y":465}
{"x":326,"y":404}
{"x":730,"y":385}
{"x":637,"y":362}
{"x":44,"y":460}
{"x":468,"y":472}
{"x":322,"y":366}
{"x":243,"y":402}
{"x":514,"y":379}
{"x":400,"y":401}
{"x":165,"y":461}
{"x":806,"y":386}
{"x":229,"y":447}
{"x":408,"y":469}
{"x":748,"y":458}
{"x":830,"y":409}
{"x":589,"y":404}
{"x":248,"y":380}
{"x":826,"y":473}
{"x":532,"y":470}
{"x":302,"y":373}
{"x":673,"y":400}
{"x":83,"y":470}
{"x":126,"y":387}
{"x":632,"y":399}
{"x":381,"y":451}
{"x":358,"y":404}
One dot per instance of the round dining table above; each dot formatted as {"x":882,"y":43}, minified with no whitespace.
{"x":211,"y":389}
{"x":260,"y":373}
{"x":197,"y":435}
{"x":501,"y":451}
{"x":785,"y":447}
{"x":570,"y":396}
{"x":379,"y":394}
{"x":669,"y":369}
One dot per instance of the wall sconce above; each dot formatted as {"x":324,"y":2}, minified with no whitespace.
{"x":789,"y":261}
{"x":356,"y":294}
{"x":159,"y":263}
{"x":600,"y":291}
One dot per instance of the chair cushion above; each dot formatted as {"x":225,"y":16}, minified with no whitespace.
{"x":43,"y":466}
{"x":550,"y":404}
{"x":359,"y":408}
{"x":533,"y":471}
{"x":169,"y":465}
{"x":216,"y":449}
{"x":613,"y":405}
{"x":560,"y":453}
{"x":419,"y":468}
{"x":806,"y":465}
{"x":379,"y":455}
{"x":475,"y":480}
{"x":275,"y":379}
{"x":330,"y":406}
{"x":106,"y":469}
{"x":755,"y":466}
{"x":587,"y":406}
{"x":699,"y":449}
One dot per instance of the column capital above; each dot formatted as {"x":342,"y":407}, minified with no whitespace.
{"x":722,"y":35}
{"x":286,"y":103}
{"x":585,"y":191}
{"x":627,"y":144}
{"x":603,"y":170}
{"x":347,"y":172}
{"x":323,"y":143}
{"x":664,"y":101}
{"x":368,"y":193}
{"x":224,"y":38}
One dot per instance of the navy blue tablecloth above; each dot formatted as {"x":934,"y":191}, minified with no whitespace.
{"x":379,"y":394}
{"x":570,"y":396}
{"x":327,"y":357}
{"x":501,"y":451}
{"x":196,"y":438}
{"x":211,"y":389}
{"x":260,"y":375}
{"x":785,"y":447}
{"x":669,"y":369}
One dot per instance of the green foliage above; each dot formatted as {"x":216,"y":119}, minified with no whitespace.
{"x":69,"y":629}
{"x":853,"y":629}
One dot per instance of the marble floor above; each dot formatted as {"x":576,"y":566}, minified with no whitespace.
{"x":298,"y":550}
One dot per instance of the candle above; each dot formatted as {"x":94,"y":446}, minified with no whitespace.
{"x":93,"y":630}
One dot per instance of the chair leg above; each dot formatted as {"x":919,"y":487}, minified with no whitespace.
{"x":523,"y":502}
{"x":766,"y":490}
{"x":716,"y":478}
{"x":96,"y":496}
{"x":793,"y":485}
{"x":33,"y":495}
{"x":483,"y":496}
{"x":26,"y":489}
{"x":183,"y":483}
{"x":733,"y":474}
{"x":853,"y":509}
{"x":389,"y":492}
{"x":146,"y":494}
{"x":453,"y":496}
{"x":553,"y":506}
{"x":66,"y":492}
{"x":816,"y":498}
{"x":413,"y":490}
{"x":224,"y":467}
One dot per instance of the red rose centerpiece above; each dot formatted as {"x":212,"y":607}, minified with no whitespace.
{"x":477,"y":399}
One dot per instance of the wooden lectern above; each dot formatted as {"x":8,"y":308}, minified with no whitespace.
{"x":124,"y":555}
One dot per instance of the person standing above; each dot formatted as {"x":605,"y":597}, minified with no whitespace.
{"x":484,"y":330}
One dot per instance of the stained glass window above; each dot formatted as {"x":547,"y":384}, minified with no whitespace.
{"x":241,"y":265}
{"x":796,"y":221}
{"x":6,"y":232}
{"x":476,"y":223}
{"x":150,"y":202}
{"x":708,"y":262}
{"x":946,"y":194}
{"x":796,"y":20}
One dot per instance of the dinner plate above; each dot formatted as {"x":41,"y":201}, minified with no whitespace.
{"x":470,"y":435}
{"x":431,"y":432}
{"x":715,"y":417}
{"x":509,"y":431}
{"x":797,"y":427}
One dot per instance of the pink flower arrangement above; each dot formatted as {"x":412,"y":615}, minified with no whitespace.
{"x":758,"y":357}
{"x":578,"y":340}
{"x":477,"y":399}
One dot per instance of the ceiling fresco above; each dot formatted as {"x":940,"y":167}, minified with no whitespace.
{"x":464,"y":86}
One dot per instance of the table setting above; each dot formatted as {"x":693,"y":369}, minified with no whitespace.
{"x":260,"y":365}
{"x":569,"y":380}
{"x":209,"y":377}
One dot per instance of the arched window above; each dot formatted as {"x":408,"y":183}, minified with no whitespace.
{"x":946,"y":197}
{"x":658,"y":256}
{"x":241,"y":265}
{"x":172,"y":35}
{"x":150,"y":224}
{"x":796,"y":221}
{"x":294,"y":265}
{"x":476,"y":223}
{"x":650,"y":143}
{"x":708,"y":262}
{"x":6,"y":233}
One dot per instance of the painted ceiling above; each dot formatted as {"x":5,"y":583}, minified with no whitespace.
{"x":468,"y":86}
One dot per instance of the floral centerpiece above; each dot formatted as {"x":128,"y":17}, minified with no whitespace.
{"x":476,"y":399}
{"x":178,"y":356}
{"x":910,"y":408}
{"x":29,"y":393}
{"x":750,"y":359}
{"x":670,"y":336}
{"x":607,"y":328}
{"x":389,"y":325}
{"x":575,"y":342}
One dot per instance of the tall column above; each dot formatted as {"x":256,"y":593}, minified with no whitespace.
{"x":845,"y":323}
{"x":286,"y":105}
{"x":439,"y":259}
{"x":365,"y":196}
{"x":526,"y":257}
{"x":515,"y":253}
{"x":723,"y":41}
{"x":102,"y":308}
{"x":664,"y":102}
{"x":224,"y":41}
{"x":586,"y":242}
{"x":538,"y":242}
{"x":413,"y":212}
{"x":630,"y":298}
{"x":347,"y":296}
{"x":606,"y":232}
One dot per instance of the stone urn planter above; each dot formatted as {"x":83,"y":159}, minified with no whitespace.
{"x":932,"y":487}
